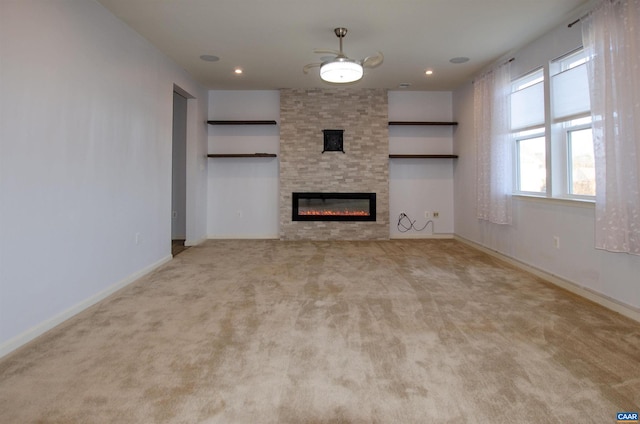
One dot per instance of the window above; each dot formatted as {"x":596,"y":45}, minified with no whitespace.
{"x":581,"y":171}
{"x":553,"y":146}
{"x":527,"y":101}
{"x":531,"y":161}
{"x":571,"y":127}
{"x":527,"y":126}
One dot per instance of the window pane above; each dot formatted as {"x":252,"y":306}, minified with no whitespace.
{"x":582,"y":165}
{"x":528,"y":80}
{"x":527,"y":106}
{"x":577,"y":122}
{"x":571,"y":60}
{"x":532,"y":165}
{"x":571,"y":92}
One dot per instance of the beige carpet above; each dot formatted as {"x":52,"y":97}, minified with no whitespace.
{"x":416,"y":331}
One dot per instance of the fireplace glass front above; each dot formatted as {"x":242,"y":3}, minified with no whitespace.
{"x":334,"y":206}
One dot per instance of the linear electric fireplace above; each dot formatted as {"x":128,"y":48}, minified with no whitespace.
{"x":334,"y":206}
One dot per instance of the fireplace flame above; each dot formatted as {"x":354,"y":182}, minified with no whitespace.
{"x":322,"y":212}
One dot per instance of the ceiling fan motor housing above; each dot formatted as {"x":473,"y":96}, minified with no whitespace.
{"x":341,"y":69}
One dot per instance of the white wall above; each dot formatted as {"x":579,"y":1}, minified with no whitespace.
{"x":243,"y":192}
{"x":85,"y":162}
{"x":417,"y":186}
{"x":536,"y":221}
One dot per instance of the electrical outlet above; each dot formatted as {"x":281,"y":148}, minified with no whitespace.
{"x":174,"y":214}
{"x":556,"y":242}
{"x":436,"y":214}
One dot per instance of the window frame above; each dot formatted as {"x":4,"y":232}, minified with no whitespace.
{"x":560,"y":149}
{"x":569,"y":164}
{"x":556,"y":131}
{"x":532,"y":133}
{"x":529,"y":79}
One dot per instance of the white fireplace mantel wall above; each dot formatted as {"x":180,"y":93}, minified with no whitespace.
{"x":243,"y":193}
{"x":420,"y":187}
{"x":242,"y":199}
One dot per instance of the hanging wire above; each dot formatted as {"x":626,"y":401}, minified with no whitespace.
{"x":405,"y":224}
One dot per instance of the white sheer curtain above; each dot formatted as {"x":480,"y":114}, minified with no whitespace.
{"x":611,"y":37}
{"x":491,"y":93}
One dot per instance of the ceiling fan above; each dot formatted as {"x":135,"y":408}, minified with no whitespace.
{"x":342,"y":69}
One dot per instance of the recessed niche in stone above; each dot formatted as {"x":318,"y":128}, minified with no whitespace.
{"x":333,"y":141}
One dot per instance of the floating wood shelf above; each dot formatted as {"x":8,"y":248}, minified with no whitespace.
{"x":421,"y":123}
{"x":217,"y":122}
{"x":423,"y":156}
{"x":242,"y":155}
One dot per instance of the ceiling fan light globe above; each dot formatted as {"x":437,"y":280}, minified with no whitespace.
{"x":341,"y":71}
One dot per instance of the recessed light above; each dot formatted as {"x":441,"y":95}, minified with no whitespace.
{"x":429,"y":72}
{"x":209,"y":58}
{"x":460,"y":59}
{"x":237,"y":71}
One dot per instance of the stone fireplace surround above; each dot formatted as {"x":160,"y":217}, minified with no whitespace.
{"x":363,"y":167}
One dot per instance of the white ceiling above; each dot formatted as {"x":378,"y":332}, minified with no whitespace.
{"x":271,"y":40}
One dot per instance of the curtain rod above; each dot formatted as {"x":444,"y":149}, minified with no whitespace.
{"x":491,"y":70}
{"x":587,"y":14}
{"x":574,"y":22}
{"x":578,"y":20}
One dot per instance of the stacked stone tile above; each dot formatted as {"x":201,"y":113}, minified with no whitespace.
{"x":364,"y":167}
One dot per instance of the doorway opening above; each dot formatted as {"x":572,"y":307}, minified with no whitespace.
{"x":179,"y":174}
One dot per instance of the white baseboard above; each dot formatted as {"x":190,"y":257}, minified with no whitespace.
{"x":194,"y":242}
{"x":400,"y":236}
{"x":25,"y":337}
{"x":245,"y":237}
{"x":592,"y":295}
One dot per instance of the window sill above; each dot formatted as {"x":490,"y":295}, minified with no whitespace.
{"x":580,"y":203}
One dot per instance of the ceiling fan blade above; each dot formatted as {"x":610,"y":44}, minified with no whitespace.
{"x":373,"y":61}
{"x":330,"y":51}
{"x":309,"y":66}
